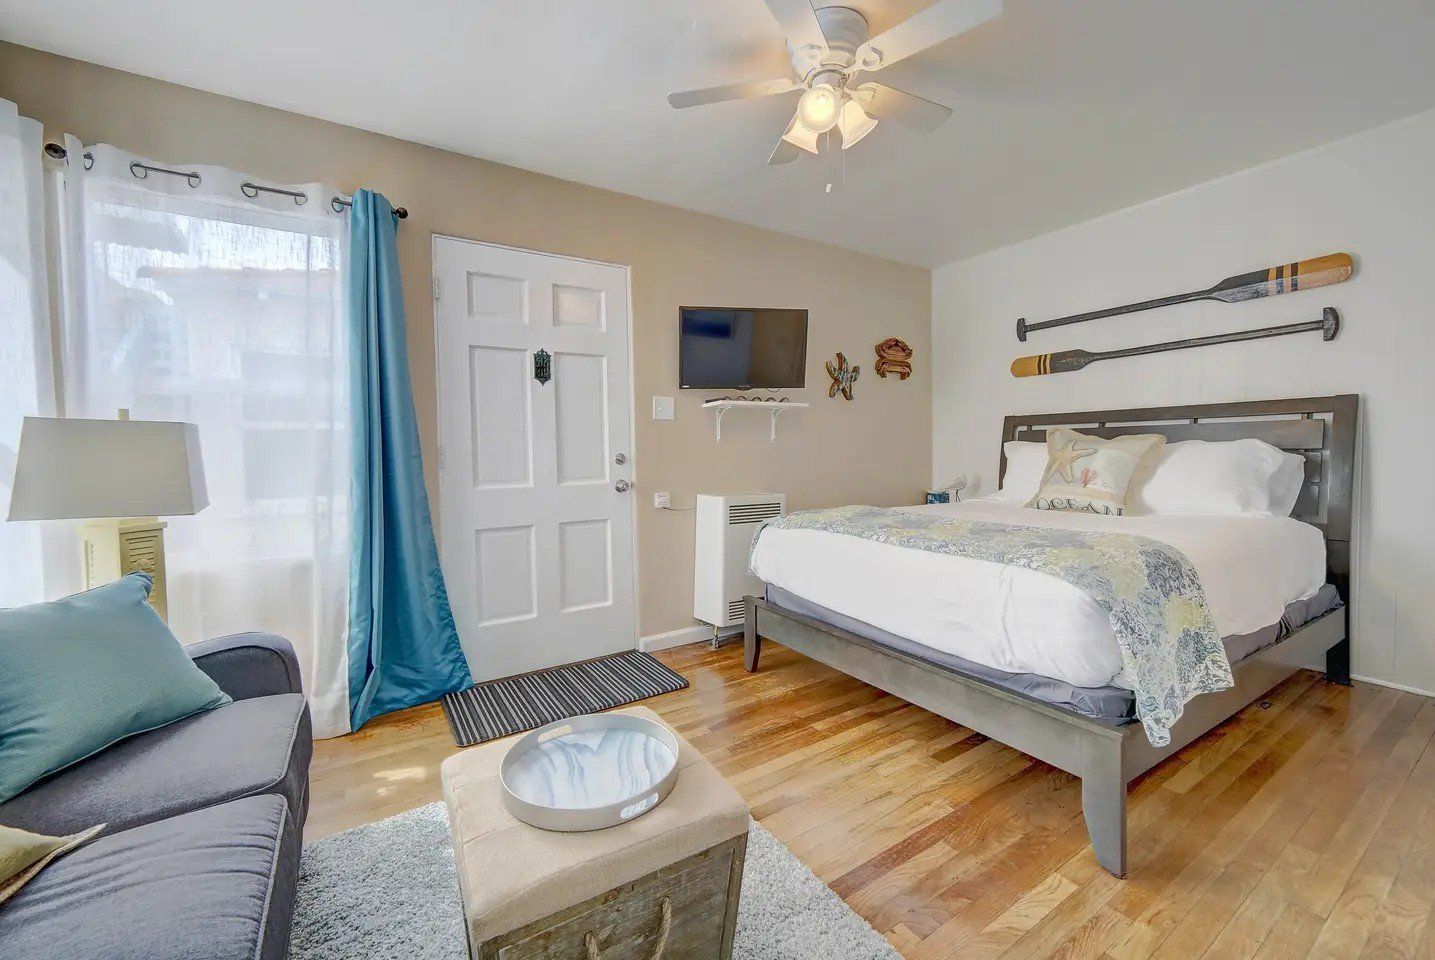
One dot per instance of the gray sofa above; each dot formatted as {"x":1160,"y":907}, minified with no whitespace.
{"x":205,"y":823}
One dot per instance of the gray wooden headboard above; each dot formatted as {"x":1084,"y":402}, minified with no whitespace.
{"x":1321,"y":429}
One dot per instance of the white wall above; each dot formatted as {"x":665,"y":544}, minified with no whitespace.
{"x":1372,"y":195}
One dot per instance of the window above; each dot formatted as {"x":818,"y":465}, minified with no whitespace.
{"x":193,"y":303}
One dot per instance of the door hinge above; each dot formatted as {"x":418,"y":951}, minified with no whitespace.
{"x":442,"y":460}
{"x":435,"y":289}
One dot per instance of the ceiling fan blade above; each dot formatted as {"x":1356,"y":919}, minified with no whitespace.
{"x":798,"y":22}
{"x":941,"y":21}
{"x":908,"y":109}
{"x":730,"y":91}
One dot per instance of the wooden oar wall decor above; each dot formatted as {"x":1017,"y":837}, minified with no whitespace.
{"x":1270,"y":282}
{"x":1066,"y":361}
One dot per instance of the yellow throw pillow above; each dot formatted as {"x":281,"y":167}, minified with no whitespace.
{"x":24,"y":854}
{"x":1087,"y":474}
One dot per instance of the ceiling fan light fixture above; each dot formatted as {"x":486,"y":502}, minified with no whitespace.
{"x":854,"y":123}
{"x":819,"y":109}
{"x":800,"y":136}
{"x":828,"y":47}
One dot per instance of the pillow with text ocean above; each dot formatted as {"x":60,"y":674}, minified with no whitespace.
{"x":1086,"y":474}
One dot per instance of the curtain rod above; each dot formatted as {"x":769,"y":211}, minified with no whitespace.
{"x":141,"y":171}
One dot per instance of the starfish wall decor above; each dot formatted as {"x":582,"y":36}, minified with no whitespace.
{"x":842,"y":376}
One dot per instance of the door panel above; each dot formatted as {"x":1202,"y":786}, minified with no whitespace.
{"x":500,"y":421}
{"x":504,"y":299}
{"x":536,"y":540}
{"x":585,"y":558}
{"x":580,"y":394}
{"x":578,"y":307}
{"x":507,"y":575}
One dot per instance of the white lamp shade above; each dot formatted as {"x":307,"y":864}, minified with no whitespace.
{"x":87,"y":469}
{"x":855,"y":123}
{"x":800,"y":136}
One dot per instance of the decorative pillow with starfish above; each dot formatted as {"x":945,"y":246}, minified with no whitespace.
{"x":1090,"y":475}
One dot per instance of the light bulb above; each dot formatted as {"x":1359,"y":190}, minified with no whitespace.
{"x":855,"y":124}
{"x":819,"y":109}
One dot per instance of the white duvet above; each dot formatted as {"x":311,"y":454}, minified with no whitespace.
{"x":1022,"y":621}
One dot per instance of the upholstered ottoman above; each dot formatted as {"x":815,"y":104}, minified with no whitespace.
{"x":663,"y":885}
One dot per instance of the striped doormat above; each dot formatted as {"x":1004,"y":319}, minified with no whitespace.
{"x":498,"y":708}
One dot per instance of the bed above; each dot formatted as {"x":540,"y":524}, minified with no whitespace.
{"x":1278,"y":589}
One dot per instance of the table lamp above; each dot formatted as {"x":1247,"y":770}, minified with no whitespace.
{"x":122,"y":474}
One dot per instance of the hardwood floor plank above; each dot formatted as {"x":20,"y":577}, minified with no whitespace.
{"x":1406,"y":912}
{"x":1292,"y":935}
{"x":1003,"y":932}
{"x":1302,"y":829}
{"x":1344,"y":850}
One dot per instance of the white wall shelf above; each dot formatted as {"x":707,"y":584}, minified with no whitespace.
{"x":772,"y":407}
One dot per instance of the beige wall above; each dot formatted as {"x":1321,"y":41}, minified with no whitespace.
{"x":876,"y":449}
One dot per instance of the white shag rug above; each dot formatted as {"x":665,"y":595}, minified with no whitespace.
{"x":389,"y":890}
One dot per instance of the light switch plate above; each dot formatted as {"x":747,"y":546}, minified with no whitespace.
{"x":662,"y":408}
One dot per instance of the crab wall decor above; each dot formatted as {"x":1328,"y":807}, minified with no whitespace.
{"x":894,"y":356}
{"x":842,"y":376}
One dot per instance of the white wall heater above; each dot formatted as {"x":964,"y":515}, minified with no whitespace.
{"x":725,"y":525}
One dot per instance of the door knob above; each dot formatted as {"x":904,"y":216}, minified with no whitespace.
{"x":622,"y":486}
{"x":621,"y":459}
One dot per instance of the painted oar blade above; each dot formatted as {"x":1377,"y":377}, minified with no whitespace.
{"x":1323,"y":271}
{"x":1286,"y":278}
{"x":1041,"y":364}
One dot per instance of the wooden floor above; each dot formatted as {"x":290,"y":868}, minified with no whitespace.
{"x":1304,"y":827}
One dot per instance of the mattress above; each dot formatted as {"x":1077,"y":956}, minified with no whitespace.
{"x":1106,"y":702}
{"x":1019,"y":621}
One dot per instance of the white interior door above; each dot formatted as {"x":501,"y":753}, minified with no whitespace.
{"x":536,"y":514}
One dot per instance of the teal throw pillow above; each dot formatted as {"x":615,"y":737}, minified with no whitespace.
{"x":79,"y":674}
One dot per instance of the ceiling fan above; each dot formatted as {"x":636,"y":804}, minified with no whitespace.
{"x":830,"y":46}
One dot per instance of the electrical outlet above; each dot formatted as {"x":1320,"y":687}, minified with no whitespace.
{"x":662,"y":501}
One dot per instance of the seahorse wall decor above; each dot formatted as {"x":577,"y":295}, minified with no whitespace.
{"x":842,"y":376}
{"x":894,"y":356}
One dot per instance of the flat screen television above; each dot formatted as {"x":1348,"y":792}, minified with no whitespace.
{"x":724,"y":348}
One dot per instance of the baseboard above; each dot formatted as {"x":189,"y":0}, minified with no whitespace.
{"x":1403,"y":688}
{"x":697,"y":633}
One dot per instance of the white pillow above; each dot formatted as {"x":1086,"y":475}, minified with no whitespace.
{"x":1223,"y":478}
{"x":1286,"y":485}
{"x":1025,"y":465}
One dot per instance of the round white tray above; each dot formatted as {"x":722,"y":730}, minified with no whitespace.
{"x":589,"y":772}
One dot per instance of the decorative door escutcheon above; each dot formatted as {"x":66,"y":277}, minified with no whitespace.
{"x":542,"y":366}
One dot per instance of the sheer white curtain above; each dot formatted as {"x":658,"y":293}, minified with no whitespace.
{"x":26,"y":364}
{"x":188,"y":299}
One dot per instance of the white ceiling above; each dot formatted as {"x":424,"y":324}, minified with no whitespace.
{"x":1064,"y":110}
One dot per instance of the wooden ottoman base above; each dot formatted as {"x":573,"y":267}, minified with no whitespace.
{"x":685,"y":911}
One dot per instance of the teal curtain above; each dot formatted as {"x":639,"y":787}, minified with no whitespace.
{"x":403,"y":646}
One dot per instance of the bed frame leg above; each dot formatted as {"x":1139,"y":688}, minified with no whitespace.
{"x":751,"y":642}
{"x":1103,"y":803}
{"x":1337,"y":663}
